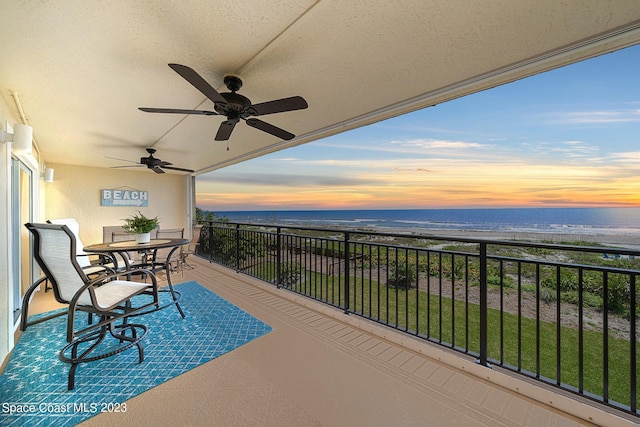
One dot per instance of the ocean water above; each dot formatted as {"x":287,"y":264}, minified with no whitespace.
{"x":610,"y":221}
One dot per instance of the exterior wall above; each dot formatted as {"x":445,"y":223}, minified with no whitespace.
{"x":75,"y":193}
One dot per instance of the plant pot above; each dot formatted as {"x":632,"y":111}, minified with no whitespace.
{"x":143,"y":238}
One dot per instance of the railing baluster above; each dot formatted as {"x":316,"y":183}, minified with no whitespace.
{"x":238,"y":247}
{"x":347,"y":273}
{"x":580,"y":331}
{"x":632,"y":343}
{"x":418,"y":306}
{"x":483,"y":305}
{"x":501,"y":270}
{"x":558,"y":330}
{"x":466,"y":303}
{"x":519,"y":365}
{"x":370,"y":282}
{"x":407,"y":287}
{"x":279,"y":256}
{"x":537,"y":320}
{"x":395,"y":280}
{"x":453,"y":300}
{"x":605,"y":336}
{"x":440,"y":297}
{"x":428,"y":311}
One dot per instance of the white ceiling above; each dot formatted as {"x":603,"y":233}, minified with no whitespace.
{"x":82,"y":68}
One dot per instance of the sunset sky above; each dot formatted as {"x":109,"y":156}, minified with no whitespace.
{"x":569,"y":137}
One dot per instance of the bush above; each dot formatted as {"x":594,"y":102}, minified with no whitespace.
{"x":589,"y":299}
{"x":547,"y":295}
{"x":401,"y":275}
{"x":289,"y":273}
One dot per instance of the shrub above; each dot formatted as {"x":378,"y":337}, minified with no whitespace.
{"x":289,"y":273}
{"x":401,"y":275}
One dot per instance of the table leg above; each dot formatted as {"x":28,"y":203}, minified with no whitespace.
{"x":167,"y":268}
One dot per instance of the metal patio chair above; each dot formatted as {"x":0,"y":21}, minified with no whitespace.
{"x":160,"y":256}
{"x":190,"y":250}
{"x":107,"y":297}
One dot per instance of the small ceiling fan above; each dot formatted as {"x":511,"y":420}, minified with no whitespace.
{"x":233,"y":105}
{"x":152,"y":163}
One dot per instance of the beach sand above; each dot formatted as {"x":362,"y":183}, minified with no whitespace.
{"x":617,"y":240}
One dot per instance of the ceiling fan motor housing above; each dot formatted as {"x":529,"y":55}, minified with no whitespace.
{"x":148,"y":160}
{"x":236,"y":104}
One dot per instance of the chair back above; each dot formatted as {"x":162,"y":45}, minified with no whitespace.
{"x":73,"y":225}
{"x":55,"y":253}
{"x":170,"y":233}
{"x":115,"y":233}
{"x":167,"y":233}
{"x":195,"y":239}
{"x":121,"y":236}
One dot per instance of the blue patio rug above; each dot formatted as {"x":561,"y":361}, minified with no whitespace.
{"x":34,"y":383}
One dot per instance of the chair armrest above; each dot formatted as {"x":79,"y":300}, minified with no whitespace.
{"x":100,"y":270}
{"x":115,"y":275}
{"x":101,"y":259}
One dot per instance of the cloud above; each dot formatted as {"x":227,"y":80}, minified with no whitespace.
{"x":629,"y":156}
{"x":289,"y":180}
{"x":597,"y":117}
{"x":412,"y":146}
{"x":561,"y":151}
{"x":575,"y":149}
{"x":438,"y":144}
{"x":420,"y":170}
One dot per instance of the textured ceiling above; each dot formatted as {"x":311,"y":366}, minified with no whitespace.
{"x":81,"y":69}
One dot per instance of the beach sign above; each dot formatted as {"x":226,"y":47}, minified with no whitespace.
{"x":124,"y":197}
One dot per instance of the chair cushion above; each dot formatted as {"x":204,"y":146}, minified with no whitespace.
{"x":115,"y":292}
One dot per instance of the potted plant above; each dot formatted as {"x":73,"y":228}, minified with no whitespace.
{"x":141,"y":226}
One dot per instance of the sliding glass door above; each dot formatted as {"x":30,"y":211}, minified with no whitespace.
{"x":22,"y":203}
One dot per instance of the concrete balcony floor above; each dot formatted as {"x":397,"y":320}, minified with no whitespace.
{"x":320,"y":367}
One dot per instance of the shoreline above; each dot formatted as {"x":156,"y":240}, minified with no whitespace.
{"x":618,"y":240}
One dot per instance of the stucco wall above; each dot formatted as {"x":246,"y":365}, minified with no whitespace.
{"x":75,"y":192}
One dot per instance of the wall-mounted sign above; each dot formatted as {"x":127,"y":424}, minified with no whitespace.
{"x":124,"y":197}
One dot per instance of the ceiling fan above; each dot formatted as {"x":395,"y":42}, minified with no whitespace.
{"x":233,"y":105}
{"x":153,"y":163}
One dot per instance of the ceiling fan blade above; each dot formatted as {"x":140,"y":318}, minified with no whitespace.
{"x":177,"y":111}
{"x":279,"y":106}
{"x":190,"y":75}
{"x":128,"y":166}
{"x":179,"y":169}
{"x":157,"y":169}
{"x":225,"y":129}
{"x":121,"y":160}
{"x":273,"y":130}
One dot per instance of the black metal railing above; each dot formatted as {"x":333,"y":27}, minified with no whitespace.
{"x":562,"y":314}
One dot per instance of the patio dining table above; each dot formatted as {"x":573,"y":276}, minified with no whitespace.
{"x":149,"y":260}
